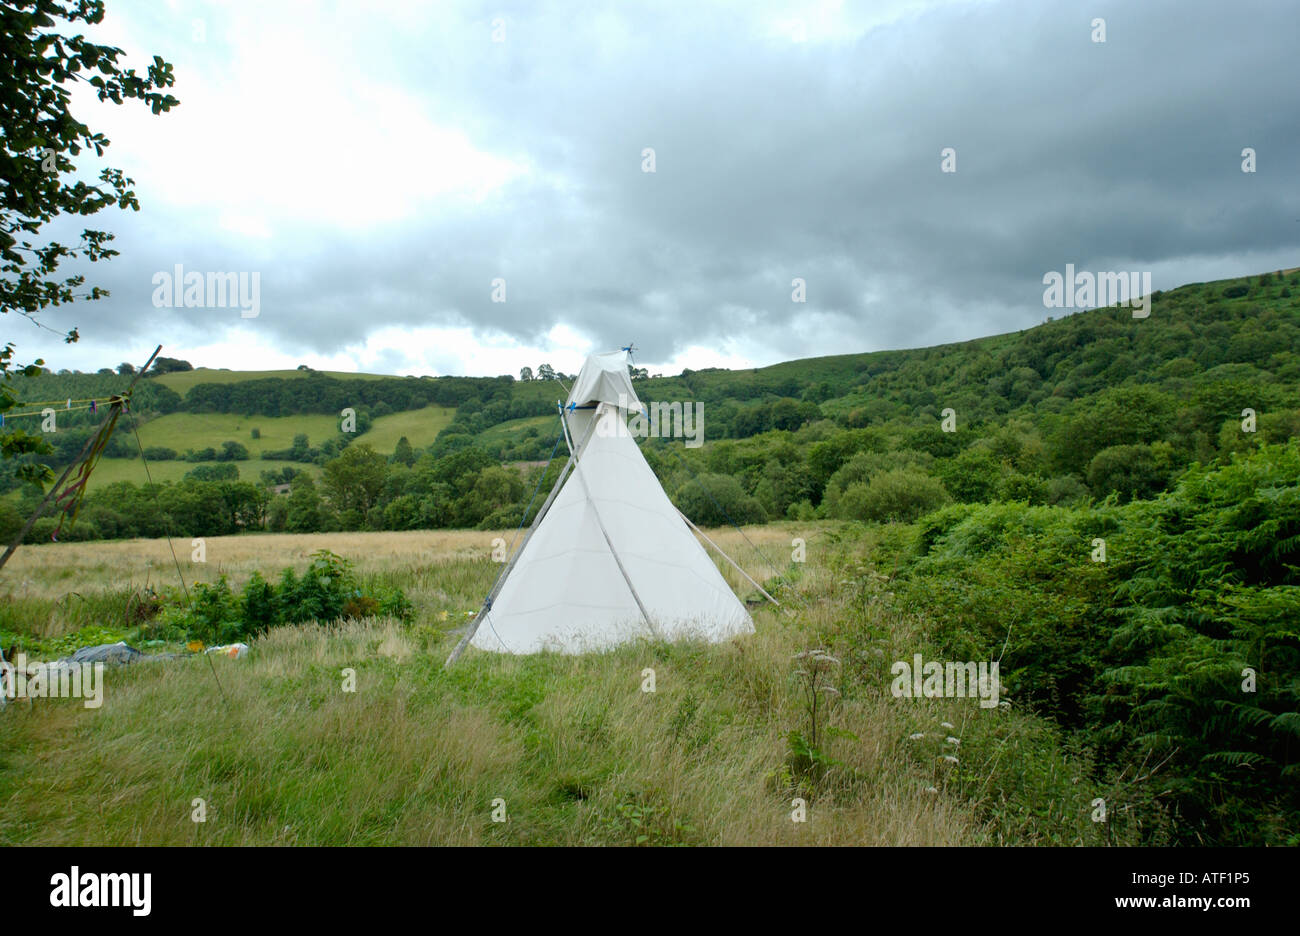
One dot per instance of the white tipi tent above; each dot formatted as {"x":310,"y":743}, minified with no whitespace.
{"x":608,"y":558}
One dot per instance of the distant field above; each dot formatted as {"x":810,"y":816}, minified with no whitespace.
{"x":547,"y":428}
{"x":420,"y":427}
{"x":110,"y":470}
{"x":181,"y":431}
{"x":181,"y":381}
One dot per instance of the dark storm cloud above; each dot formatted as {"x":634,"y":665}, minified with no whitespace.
{"x":779,"y":159}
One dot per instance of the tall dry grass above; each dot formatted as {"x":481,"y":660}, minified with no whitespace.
{"x":570,"y":746}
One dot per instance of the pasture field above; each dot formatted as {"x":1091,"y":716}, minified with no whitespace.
{"x":572,"y":746}
{"x":181,"y":431}
{"x":511,"y":430}
{"x":420,"y":427}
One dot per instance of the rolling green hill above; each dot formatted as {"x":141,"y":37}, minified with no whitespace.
{"x":182,"y":381}
{"x":1209,"y":350}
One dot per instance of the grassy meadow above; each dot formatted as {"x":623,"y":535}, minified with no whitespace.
{"x":420,"y":427}
{"x":182,"y":431}
{"x":579,"y":754}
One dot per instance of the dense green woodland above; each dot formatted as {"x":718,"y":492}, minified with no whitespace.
{"x":1082,"y":408}
{"x":1116,"y":515}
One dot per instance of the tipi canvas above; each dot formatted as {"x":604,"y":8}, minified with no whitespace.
{"x":611,"y":560}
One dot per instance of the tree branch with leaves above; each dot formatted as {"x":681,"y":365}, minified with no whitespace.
{"x":41,"y":60}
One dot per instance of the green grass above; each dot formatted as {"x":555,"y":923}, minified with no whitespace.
{"x":182,"y":431}
{"x":574,"y":748}
{"x":512,"y":430}
{"x":181,"y":381}
{"x":420,"y":427}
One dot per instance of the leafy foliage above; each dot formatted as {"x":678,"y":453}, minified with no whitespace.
{"x":327,"y":591}
{"x":42,"y":59}
{"x":1179,"y":652}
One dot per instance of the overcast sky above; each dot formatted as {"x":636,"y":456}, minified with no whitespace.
{"x":379,"y":167}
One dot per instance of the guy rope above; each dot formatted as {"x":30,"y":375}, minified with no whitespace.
{"x":68,"y":495}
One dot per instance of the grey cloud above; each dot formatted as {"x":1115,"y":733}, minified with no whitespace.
{"x":778,"y":159}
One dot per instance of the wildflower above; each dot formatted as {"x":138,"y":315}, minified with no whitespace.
{"x":950,"y":759}
{"x":946,"y":724}
{"x":931,"y":789}
{"x":954,"y":741}
{"x":916,"y":736}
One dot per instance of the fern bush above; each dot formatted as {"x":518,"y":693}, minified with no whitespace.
{"x":1205,"y":660}
{"x":1178,"y":657}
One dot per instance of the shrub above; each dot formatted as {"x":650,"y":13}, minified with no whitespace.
{"x":715,"y":499}
{"x":1066,"y":491}
{"x":1144,"y":656}
{"x":327,"y":591}
{"x":214,"y":614}
{"x":232,"y":451}
{"x":259,"y":606}
{"x":11,"y":521}
{"x":899,"y":495}
{"x":974,"y":476}
{"x":1132,"y":471}
{"x":225,"y":472}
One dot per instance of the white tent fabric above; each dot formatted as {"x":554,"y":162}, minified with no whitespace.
{"x":566,"y":591}
{"x":604,"y":379}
